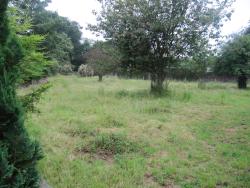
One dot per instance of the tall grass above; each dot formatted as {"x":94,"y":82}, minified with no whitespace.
{"x":189,"y":137}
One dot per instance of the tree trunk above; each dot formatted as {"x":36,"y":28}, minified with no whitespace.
{"x":99,"y":77}
{"x":157,"y":83}
{"x":242,"y":81}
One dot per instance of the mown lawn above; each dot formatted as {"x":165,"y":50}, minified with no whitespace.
{"x":115,"y":134}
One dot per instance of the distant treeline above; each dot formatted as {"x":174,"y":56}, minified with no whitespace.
{"x":52,"y":43}
{"x":49,"y":41}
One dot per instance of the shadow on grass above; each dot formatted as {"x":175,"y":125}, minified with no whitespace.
{"x":143,"y":94}
{"x":216,"y":85}
{"x":169,"y":94}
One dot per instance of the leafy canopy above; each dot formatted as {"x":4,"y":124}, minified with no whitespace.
{"x":235,"y":57}
{"x":103,"y":58}
{"x":62,"y":36}
{"x":34,"y":64}
{"x":154,"y":34}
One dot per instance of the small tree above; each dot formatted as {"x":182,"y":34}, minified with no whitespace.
{"x":153,"y":35}
{"x":102,"y":58}
{"x":234,"y":59}
{"x":34,"y":65}
{"x":18,"y":154}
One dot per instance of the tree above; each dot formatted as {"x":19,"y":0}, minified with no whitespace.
{"x":57,"y":30}
{"x":194,"y":68}
{"x":63,"y":37}
{"x":34,"y":64}
{"x":153,"y":35}
{"x":102,"y":58}
{"x":234,"y":59}
{"x":59,"y":47}
{"x":32,"y":6}
{"x":78,"y":54}
{"x":247,"y":30}
{"x":18,"y":154}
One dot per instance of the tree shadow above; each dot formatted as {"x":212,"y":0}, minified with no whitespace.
{"x":145,"y":93}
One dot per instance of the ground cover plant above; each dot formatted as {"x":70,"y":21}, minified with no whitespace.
{"x":116,"y":134}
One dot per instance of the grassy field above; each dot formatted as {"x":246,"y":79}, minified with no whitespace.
{"x":115,"y":134}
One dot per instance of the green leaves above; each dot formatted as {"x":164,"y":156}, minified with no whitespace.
{"x":59,"y":47}
{"x":152,"y":35}
{"x":235,"y":57}
{"x":34,"y":64}
{"x":63,"y":37}
{"x":103,"y":58}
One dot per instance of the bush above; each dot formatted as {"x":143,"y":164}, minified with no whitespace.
{"x":85,"y":71}
{"x":66,"y":69}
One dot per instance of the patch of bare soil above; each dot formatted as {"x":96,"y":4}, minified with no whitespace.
{"x":107,"y":157}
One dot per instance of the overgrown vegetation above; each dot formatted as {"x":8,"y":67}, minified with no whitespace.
{"x":153,"y":132}
{"x":234,"y":59}
{"x":111,"y":144}
{"x":103,"y":135}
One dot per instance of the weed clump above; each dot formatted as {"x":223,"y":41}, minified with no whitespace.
{"x":111,"y":144}
{"x":109,"y":121}
{"x":156,"y":110}
{"x":81,"y":132}
{"x":122,"y":93}
{"x":202,"y":85}
{"x":186,"y":96}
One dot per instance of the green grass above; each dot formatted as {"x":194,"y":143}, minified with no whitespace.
{"x":115,"y":134}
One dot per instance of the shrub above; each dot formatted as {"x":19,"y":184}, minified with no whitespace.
{"x":122,"y":93}
{"x":85,"y":71}
{"x":66,"y":69}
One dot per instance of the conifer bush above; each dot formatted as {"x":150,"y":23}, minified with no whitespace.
{"x":18,"y":154}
